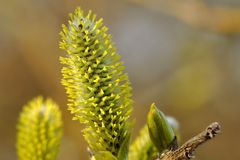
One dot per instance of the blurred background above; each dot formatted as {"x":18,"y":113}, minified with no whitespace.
{"x":184,"y":55}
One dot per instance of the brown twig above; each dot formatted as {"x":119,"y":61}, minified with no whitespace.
{"x":186,"y":151}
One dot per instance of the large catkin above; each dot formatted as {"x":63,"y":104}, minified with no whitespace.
{"x":98,"y":90}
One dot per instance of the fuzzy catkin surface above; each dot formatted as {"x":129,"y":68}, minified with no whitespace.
{"x":39,"y":130}
{"x":99,"y":92}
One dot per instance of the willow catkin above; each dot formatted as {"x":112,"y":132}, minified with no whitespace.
{"x":39,"y":130}
{"x":98,"y":90}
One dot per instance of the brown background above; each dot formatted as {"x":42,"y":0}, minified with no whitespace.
{"x":186,"y":59}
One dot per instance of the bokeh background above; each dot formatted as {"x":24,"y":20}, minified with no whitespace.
{"x":182,"y":54}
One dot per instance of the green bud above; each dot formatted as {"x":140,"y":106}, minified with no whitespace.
{"x":160,"y":131}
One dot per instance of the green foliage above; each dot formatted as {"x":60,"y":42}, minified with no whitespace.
{"x":142,"y":148}
{"x":39,"y":130}
{"x":160,"y":131}
{"x":98,"y":90}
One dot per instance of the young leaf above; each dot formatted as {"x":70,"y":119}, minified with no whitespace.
{"x":39,"y":130}
{"x":123,"y":151}
{"x":99,"y":92}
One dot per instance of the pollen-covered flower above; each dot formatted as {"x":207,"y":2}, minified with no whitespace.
{"x":99,"y":91}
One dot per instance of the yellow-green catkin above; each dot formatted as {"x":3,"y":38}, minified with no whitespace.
{"x":142,"y":148}
{"x":99,"y":91}
{"x":39,"y":130}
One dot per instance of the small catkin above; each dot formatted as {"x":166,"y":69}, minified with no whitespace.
{"x":39,"y":130}
{"x":142,"y":148}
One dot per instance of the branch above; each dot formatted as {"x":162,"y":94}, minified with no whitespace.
{"x":187,"y":150}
